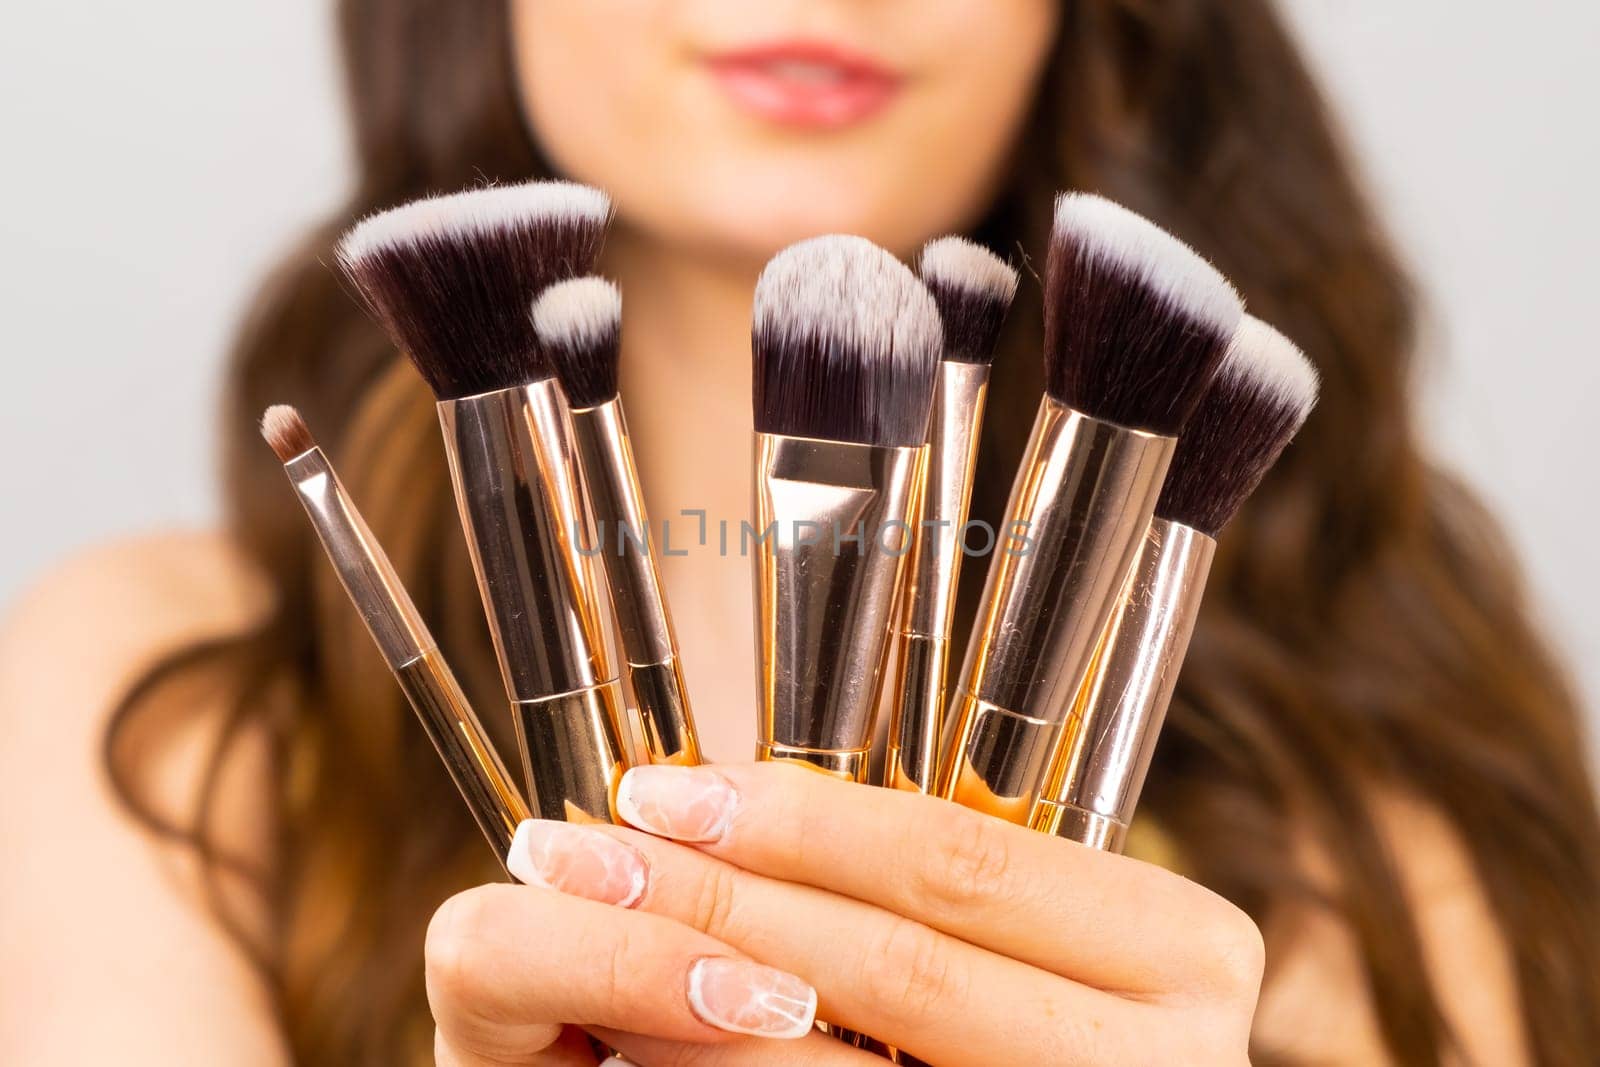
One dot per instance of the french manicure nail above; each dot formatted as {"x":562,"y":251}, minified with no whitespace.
{"x":579,"y":862}
{"x":690,"y":804}
{"x":739,"y":997}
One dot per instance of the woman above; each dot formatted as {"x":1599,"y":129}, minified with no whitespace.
{"x":1372,"y":756}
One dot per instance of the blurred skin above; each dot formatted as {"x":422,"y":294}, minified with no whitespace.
{"x":623,"y":94}
{"x":911,"y":919}
{"x":726,"y":130}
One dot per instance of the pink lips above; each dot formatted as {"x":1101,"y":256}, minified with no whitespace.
{"x":802,"y":83}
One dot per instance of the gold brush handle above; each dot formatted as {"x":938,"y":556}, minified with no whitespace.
{"x":917,"y":714}
{"x":632,"y":582}
{"x":572,"y":754}
{"x":664,"y":715}
{"x":468,"y":755}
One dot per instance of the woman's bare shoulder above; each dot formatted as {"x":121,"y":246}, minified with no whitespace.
{"x":134,"y":596}
{"x":76,"y":639}
{"x":109,"y":914}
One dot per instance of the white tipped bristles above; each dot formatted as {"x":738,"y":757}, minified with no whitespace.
{"x":580,"y":313}
{"x":472,"y":213}
{"x":961,"y":264}
{"x":286,"y":432}
{"x":846,"y":342}
{"x":848,"y":291}
{"x":1262,"y":358}
{"x":1123,"y":240}
{"x":1258,"y":401}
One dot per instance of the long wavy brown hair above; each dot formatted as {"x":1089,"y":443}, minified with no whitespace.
{"x":1364,"y":627}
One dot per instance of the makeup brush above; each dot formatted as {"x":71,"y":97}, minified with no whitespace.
{"x":847,"y":344}
{"x":1136,"y":324}
{"x":579,"y":323}
{"x":398,"y":631}
{"x":1261,"y":397}
{"x":450,"y":279}
{"x":973,"y":289}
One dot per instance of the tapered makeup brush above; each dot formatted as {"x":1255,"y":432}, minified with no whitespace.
{"x":399,"y":632}
{"x":450,"y":279}
{"x":579,"y":323}
{"x":847,"y":344}
{"x":973,"y":289}
{"x":1261,"y":397}
{"x":1136,"y":324}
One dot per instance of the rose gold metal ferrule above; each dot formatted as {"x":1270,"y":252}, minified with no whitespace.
{"x":638,"y":601}
{"x":514,"y":465}
{"x":1080,"y":506}
{"x":832,"y":531}
{"x":1105,"y":750}
{"x":928,"y":606}
{"x":403,"y":640}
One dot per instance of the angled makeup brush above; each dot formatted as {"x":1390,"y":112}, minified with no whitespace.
{"x":1136,"y":324}
{"x":398,"y":631}
{"x":579,"y":323}
{"x":847,"y":344}
{"x":973,"y":289}
{"x":1261,"y":397}
{"x":450,"y":279}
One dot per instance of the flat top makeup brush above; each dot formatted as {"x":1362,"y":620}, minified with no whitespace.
{"x":579,"y":323}
{"x":1262,"y":395}
{"x":1136,"y":324}
{"x":397,"y":628}
{"x":973,"y":289}
{"x":450,"y":279}
{"x":847,"y":344}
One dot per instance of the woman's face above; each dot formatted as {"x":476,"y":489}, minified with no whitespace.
{"x":739,"y":126}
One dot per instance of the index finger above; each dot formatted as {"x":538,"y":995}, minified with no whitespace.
{"x":1097,"y":918}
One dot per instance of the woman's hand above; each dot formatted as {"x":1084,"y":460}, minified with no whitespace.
{"x":954,"y":936}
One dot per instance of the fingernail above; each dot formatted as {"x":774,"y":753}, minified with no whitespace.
{"x":691,"y":804}
{"x":579,"y":862}
{"x":746,"y":998}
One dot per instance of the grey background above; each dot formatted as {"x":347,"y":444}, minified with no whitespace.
{"x":1477,"y":126}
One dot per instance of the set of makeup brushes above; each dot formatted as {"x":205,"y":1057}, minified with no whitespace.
{"x":1165,"y":405}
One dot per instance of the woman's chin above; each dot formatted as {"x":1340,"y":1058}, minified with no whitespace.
{"x":755,"y":227}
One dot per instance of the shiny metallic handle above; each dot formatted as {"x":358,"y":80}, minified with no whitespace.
{"x":638,"y":601}
{"x":997,"y":759}
{"x":517,"y":485}
{"x":1104,"y":753}
{"x":917,"y":714}
{"x":1088,"y":828}
{"x":833,"y":528}
{"x":459,"y":738}
{"x":851,"y":765}
{"x":929,"y":606}
{"x":363,"y":568}
{"x":935,"y":563}
{"x":1083,"y":499}
{"x":664,"y":716}
{"x":625,"y":545}
{"x":376,"y":591}
{"x":572,"y":753}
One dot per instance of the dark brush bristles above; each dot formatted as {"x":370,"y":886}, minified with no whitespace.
{"x":847,"y":343}
{"x":286,"y":432}
{"x":450,"y":277}
{"x":579,"y":323}
{"x":1135,"y":321}
{"x":1261,"y":397}
{"x":974,"y":289}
